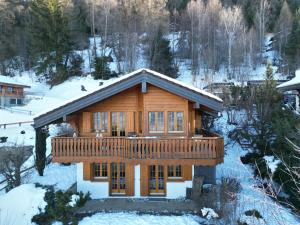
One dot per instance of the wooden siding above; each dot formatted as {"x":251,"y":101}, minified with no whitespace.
{"x":144,"y":180}
{"x":129,"y":173}
{"x":87,"y":171}
{"x":18,"y":92}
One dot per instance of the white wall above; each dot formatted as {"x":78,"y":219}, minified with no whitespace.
{"x":137,"y":181}
{"x":97,"y":189}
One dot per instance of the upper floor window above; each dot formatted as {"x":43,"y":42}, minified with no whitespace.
{"x":100,"y":121}
{"x":174,"y":171}
{"x":175,"y":122}
{"x":118,"y":124}
{"x":10,"y":89}
{"x":100,"y":170}
{"x":156,"y":122}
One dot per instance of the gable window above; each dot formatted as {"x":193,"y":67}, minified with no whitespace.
{"x":174,"y":171}
{"x":175,"y":122}
{"x":156,"y":122}
{"x":100,"y":121}
{"x":100,"y":170}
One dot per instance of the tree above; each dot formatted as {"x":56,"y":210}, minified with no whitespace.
{"x":40,"y":149}
{"x":161,"y":58}
{"x":50,"y":39}
{"x":102,"y":70}
{"x":232,"y":20}
{"x":283,"y":27}
{"x":11,"y":161}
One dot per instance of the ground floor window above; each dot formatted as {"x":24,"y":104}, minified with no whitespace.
{"x":174,"y":171}
{"x":100,"y":170}
{"x":13,"y":101}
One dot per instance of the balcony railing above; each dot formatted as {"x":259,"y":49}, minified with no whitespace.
{"x":69,"y":149}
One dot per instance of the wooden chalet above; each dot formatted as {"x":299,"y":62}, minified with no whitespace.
{"x":11,"y":92}
{"x":140,"y":135}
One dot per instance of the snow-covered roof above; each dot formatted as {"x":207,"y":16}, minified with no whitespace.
{"x":213,"y":102}
{"x":10,"y":80}
{"x":293,"y":84}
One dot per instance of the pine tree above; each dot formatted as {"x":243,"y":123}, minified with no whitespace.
{"x":102,"y":70}
{"x":161,"y":58}
{"x":40,"y":149}
{"x":50,"y":39}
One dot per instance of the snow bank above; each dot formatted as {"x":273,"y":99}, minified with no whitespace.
{"x":134,"y":219}
{"x":18,"y":206}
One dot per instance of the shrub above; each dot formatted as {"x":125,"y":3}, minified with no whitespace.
{"x":253,"y":212}
{"x":58,"y":208}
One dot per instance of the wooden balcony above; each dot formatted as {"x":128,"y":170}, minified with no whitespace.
{"x":147,"y":150}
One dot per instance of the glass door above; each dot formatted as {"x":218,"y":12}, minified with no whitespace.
{"x":118,"y":124}
{"x":156,"y":179}
{"x":118,"y":178}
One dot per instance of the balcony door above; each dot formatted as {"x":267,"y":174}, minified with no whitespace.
{"x":117,"y":124}
{"x":118,"y":178}
{"x":156,"y":180}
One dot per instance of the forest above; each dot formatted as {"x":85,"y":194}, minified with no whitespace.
{"x":47,"y":36}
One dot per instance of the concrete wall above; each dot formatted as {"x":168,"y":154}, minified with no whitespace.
{"x":178,"y":189}
{"x":97,"y":189}
{"x":208,"y":172}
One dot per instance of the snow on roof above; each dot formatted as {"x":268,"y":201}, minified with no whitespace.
{"x":113,"y":81}
{"x":292,"y":82}
{"x":10,"y":80}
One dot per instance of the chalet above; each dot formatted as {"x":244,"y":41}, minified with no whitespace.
{"x":11,"y":92}
{"x":292,"y":85}
{"x":140,"y":135}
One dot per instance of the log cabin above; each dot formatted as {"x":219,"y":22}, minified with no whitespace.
{"x":139,"y":135}
{"x":11,"y":92}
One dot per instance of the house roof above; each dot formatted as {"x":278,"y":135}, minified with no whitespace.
{"x":10,"y":81}
{"x":179,"y":88}
{"x":293,"y":84}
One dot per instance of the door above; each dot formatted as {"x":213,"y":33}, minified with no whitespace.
{"x":156,"y":180}
{"x":118,"y":178}
{"x":117,"y":124}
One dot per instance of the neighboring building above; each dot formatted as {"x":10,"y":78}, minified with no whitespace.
{"x":140,"y":135}
{"x":290,"y":86}
{"x":11,"y":92}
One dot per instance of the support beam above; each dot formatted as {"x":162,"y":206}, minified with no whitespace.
{"x":144,"y":87}
{"x":196,"y":105}
{"x":65,"y":118}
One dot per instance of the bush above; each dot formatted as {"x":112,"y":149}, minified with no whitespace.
{"x":58,"y":208}
{"x":3,"y":139}
{"x":254,"y":213}
{"x":259,"y":164}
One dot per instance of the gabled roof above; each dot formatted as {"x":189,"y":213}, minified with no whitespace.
{"x":174,"y":86}
{"x":4,"y":80}
{"x":293,"y":84}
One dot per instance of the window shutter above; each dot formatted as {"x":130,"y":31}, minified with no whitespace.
{"x":87,"y":122}
{"x":144,"y":180}
{"x":87,"y":171}
{"x":187,"y":172}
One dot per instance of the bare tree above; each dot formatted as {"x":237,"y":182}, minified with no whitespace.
{"x":232,"y":20}
{"x":11,"y":161}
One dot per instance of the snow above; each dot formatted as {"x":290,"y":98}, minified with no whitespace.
{"x":209,"y":213}
{"x":74,"y":199}
{"x":134,"y":219}
{"x":294,"y":81}
{"x":18,"y":206}
{"x":272,"y":162}
{"x":250,"y":197}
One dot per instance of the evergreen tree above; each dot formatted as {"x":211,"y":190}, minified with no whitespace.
{"x":102,"y":70}
{"x":40,"y":149}
{"x":161,"y":58}
{"x":50,"y":39}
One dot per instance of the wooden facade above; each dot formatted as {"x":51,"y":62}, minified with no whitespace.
{"x":11,"y":94}
{"x":156,"y":128}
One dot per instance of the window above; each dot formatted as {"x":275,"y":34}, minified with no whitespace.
{"x":13,"y":101}
{"x":10,"y":89}
{"x":175,"y":122}
{"x":100,"y":121}
{"x":156,"y":122}
{"x":174,"y":171}
{"x":19,"y":101}
{"x":1,"y":88}
{"x":100,"y":170}
{"x":118,"y":124}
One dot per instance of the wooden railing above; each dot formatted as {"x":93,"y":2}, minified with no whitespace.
{"x":140,"y":148}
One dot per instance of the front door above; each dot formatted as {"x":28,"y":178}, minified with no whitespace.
{"x":117,"y":124}
{"x":156,"y":180}
{"x":118,"y":181}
